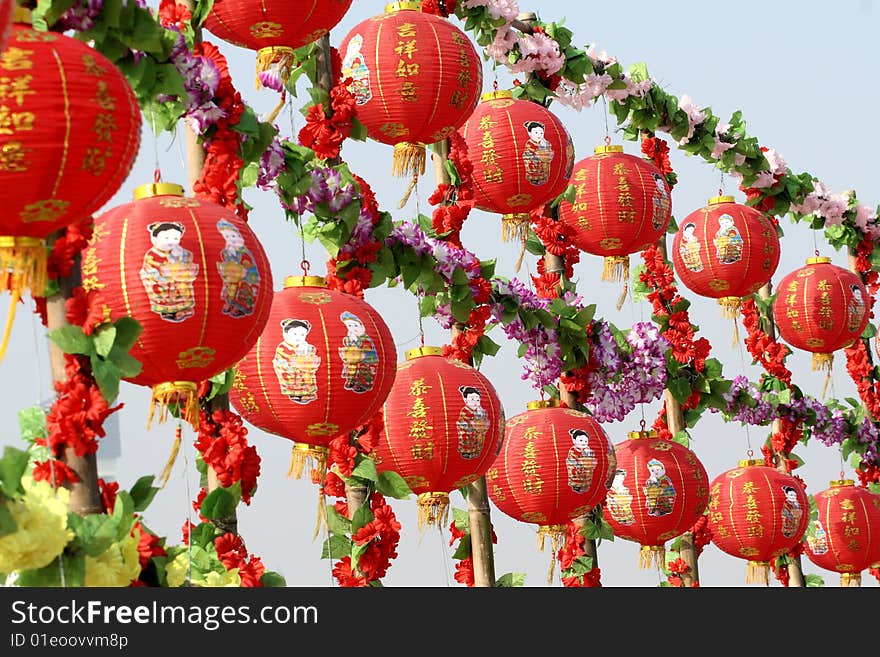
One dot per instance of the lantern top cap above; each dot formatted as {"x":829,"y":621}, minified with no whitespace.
{"x":175,"y":386}
{"x":747,"y":463}
{"x":840,"y":483}
{"x":818,"y":260}
{"x":391,"y":7}
{"x":608,"y":148}
{"x":157,"y":189}
{"x":648,"y":433}
{"x":305,"y":281}
{"x":497,"y":94}
{"x":543,"y":403}
{"x":418,"y":352}
{"x":715,"y":200}
{"x":22,"y":15}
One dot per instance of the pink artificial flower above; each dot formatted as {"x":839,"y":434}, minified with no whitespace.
{"x":695,"y":117}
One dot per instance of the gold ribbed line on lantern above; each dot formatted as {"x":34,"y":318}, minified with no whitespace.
{"x":433,"y":509}
{"x":181,"y":395}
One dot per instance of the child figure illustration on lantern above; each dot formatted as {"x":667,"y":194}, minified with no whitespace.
{"x":689,"y":248}
{"x":472,"y":424}
{"x":818,"y":542}
{"x":619,"y":499}
{"x":855,"y":309}
{"x":238,"y":269}
{"x":660,"y":201}
{"x":354,"y":67}
{"x":728,"y":241}
{"x":358,"y":354}
{"x":659,"y":490}
{"x":537,"y":154}
{"x":580,"y":461}
{"x":296,"y":362}
{"x":168,"y":272}
{"x":791,"y":512}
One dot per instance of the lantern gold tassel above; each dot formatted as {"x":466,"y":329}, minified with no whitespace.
{"x":615,"y":268}
{"x":850,"y":579}
{"x":822,"y":361}
{"x":282,"y":56}
{"x":556,"y":534}
{"x":172,"y":457}
{"x":181,"y":394}
{"x":758,"y":572}
{"x":652,"y":556}
{"x":23,"y":264}
{"x":321,"y":520}
{"x":515,"y":227}
{"x":433,"y":509}
{"x":730,"y":307}
{"x":314,"y":456}
{"x":10,"y":319}
{"x":409,"y":159}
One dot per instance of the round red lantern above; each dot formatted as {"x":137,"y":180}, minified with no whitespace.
{"x":415,"y":77}
{"x":322,"y":367}
{"x":622,"y":205}
{"x":552,"y":468}
{"x":725,"y":251}
{"x":69,"y":134}
{"x":757,"y":513}
{"x":274,"y":28}
{"x":443,"y":428}
{"x":658,"y":491}
{"x":821,"y":308}
{"x":522,"y":157}
{"x":845,"y":537}
{"x":196,"y":278}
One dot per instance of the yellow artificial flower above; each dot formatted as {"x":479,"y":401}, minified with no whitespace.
{"x":176,"y":573}
{"x":118,"y":565}
{"x":41,"y":516}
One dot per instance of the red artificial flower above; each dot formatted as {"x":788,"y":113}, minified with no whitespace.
{"x":108,"y":491}
{"x":149,"y":545}
{"x":86,"y":309}
{"x":55,"y":472}
{"x":455,"y":533}
{"x":464,"y":572}
{"x":343,"y":454}
{"x":174,"y":13}
{"x":333,"y":485}
{"x":344,"y":574}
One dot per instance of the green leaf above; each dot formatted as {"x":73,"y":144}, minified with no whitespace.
{"x":362,"y":517}
{"x":219,"y":503}
{"x":103,"y":339}
{"x":107,"y":377}
{"x":271,"y":579}
{"x":71,"y":340}
{"x":391,"y":484}
{"x":32,"y":423}
{"x":123,"y":514}
{"x":7,"y":522}
{"x":366,"y":469}
{"x":12,"y":467}
{"x":511,"y":580}
{"x":337,"y":523}
{"x":127,"y":365}
{"x":463,"y":551}
{"x":336,"y":547}
{"x":94,"y":533}
{"x":50,"y":575}
{"x":143,"y":492}
{"x":680,"y":389}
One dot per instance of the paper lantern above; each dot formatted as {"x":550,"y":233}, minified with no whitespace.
{"x":196,"y":278}
{"x":821,"y":308}
{"x":69,"y":134}
{"x":622,"y":205}
{"x":725,"y":251}
{"x":322,"y":367}
{"x":757,"y":513}
{"x":845,"y":537}
{"x":443,"y":428}
{"x":6,"y":11}
{"x":522,"y":157}
{"x":415,"y":77}
{"x":552,"y":468}
{"x":659,"y":490}
{"x":274,"y":28}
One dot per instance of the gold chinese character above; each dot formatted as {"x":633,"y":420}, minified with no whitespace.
{"x":104,"y":99}
{"x":533,"y":486}
{"x":16,"y":59}
{"x":406,"y":30}
{"x":493,"y":175}
{"x":457,"y":98}
{"x":406,"y":48}
{"x":104,"y":126}
{"x":419,"y":387}
{"x":405,"y":70}
{"x":16,"y":88}
{"x":420,"y":429}
{"x":418,"y":409}
{"x":486,"y":123}
{"x":94,"y":160}
{"x":92,"y":67}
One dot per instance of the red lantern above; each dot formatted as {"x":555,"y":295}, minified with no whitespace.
{"x":522,"y":157}
{"x":274,"y":28}
{"x":845,"y":537}
{"x":725,"y":251}
{"x":196,"y":278}
{"x":322,"y":367}
{"x":757,"y":513}
{"x":415,"y":77}
{"x":552,"y":468}
{"x":622,"y":205}
{"x":659,"y":490}
{"x":821,"y":308}
{"x":443,"y":428}
{"x":69,"y":134}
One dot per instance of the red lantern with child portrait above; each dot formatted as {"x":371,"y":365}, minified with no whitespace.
{"x":196,"y":278}
{"x":322,"y":367}
{"x":553,"y":467}
{"x":443,"y":426}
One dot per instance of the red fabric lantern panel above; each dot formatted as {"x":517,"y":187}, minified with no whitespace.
{"x":622,"y":205}
{"x":821,"y":308}
{"x":69,"y":134}
{"x":196,"y":278}
{"x":322,"y":366}
{"x":415,"y":77}
{"x":725,"y":251}
{"x":443,"y":428}
{"x":845,"y":537}
{"x":553,"y":467}
{"x":522,"y":157}
{"x":659,"y":490}
{"x":757,"y":513}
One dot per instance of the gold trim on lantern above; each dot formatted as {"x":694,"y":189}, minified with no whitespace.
{"x":496,"y":95}
{"x":715,"y":200}
{"x":391,"y":7}
{"x":157,"y":189}
{"x":423,"y":351}
{"x":182,"y":394}
{"x":11,"y":241}
{"x":305,"y":281}
{"x":304,"y":454}
{"x":745,"y":463}
{"x":22,"y":15}
{"x":730,"y":306}
{"x":837,"y":483}
{"x":433,"y":509}
{"x":818,"y":260}
{"x":647,"y":433}
{"x":543,"y":403}
{"x":610,"y":148}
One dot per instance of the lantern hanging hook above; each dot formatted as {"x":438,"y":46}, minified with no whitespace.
{"x":157,"y":175}
{"x":305,"y":265}
{"x":608,"y":140}
{"x":750,"y":453}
